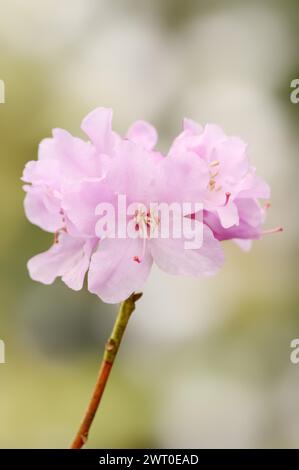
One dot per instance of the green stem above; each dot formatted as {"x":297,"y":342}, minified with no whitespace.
{"x":112,"y":346}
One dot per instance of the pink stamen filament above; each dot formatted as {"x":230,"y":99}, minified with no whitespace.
{"x":272,"y":230}
{"x":227,"y":195}
{"x":144,"y":223}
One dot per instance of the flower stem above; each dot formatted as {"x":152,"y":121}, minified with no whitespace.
{"x":126,"y":309}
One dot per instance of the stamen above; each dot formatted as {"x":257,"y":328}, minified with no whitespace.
{"x":214,"y":163}
{"x":212,"y":184}
{"x":267,"y":205}
{"x":146,"y":223}
{"x":273,"y":230}
{"x":213,"y":175}
{"x":57,"y":233}
{"x":227,"y":195}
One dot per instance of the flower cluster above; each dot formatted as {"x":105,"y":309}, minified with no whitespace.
{"x":72,"y":177}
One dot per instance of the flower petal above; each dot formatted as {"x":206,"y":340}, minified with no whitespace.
{"x":80,"y":201}
{"x":251,"y":217}
{"x":172,"y":256}
{"x":228,"y":215}
{"x":42,"y":210}
{"x":98,"y":126}
{"x":114,"y":273}
{"x":143,"y":134}
{"x":74,"y":277}
{"x":68,"y":258}
{"x":242,"y":243}
{"x":192,"y":126}
{"x":253,"y":186}
{"x":183,"y":178}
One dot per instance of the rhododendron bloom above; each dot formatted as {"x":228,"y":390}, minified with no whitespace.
{"x":231,"y":177}
{"x":121,"y":265}
{"x":74,"y":182}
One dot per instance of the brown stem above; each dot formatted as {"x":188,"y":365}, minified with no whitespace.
{"x":112,"y":346}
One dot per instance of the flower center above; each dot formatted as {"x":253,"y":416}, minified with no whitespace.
{"x":146,"y":222}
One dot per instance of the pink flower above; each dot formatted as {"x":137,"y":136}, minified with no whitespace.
{"x":230,"y":176}
{"x":62,"y":160}
{"x":72,"y":179}
{"x":66,"y":164}
{"x":121,"y":266}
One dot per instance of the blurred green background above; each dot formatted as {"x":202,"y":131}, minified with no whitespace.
{"x":205,"y":363}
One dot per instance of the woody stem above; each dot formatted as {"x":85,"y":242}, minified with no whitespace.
{"x":126,"y":309}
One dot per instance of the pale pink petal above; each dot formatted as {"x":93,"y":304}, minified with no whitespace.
{"x":172,"y":256}
{"x":114,"y":272}
{"x":74,"y":277}
{"x":76,"y":157}
{"x":192,"y":126}
{"x":37,"y":205}
{"x":245,"y":245}
{"x":79,"y":203}
{"x":231,"y":153}
{"x":44,"y":171}
{"x":47,"y":149}
{"x":133,"y":172}
{"x":260,"y":189}
{"x":183,"y":178}
{"x":187,"y":141}
{"x":228,"y":215}
{"x":253,"y":186}
{"x":143,"y":134}
{"x":250,"y":211}
{"x":69,"y":258}
{"x":210,"y":137}
{"x":98,"y":126}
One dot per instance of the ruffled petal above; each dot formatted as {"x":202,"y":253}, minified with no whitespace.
{"x":228,"y":215}
{"x":80,"y":201}
{"x":76,"y":157}
{"x":253,"y":186}
{"x":192,"y":126}
{"x":244,"y":244}
{"x":98,"y":126}
{"x":43,"y":209}
{"x":183,"y":178}
{"x":143,"y":134}
{"x":251,"y":217}
{"x":68,"y":258}
{"x":118,"y":268}
{"x":172,"y":256}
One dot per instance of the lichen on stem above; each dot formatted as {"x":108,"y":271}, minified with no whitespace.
{"x":112,"y":346}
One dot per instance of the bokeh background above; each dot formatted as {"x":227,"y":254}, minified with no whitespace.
{"x":205,"y":363}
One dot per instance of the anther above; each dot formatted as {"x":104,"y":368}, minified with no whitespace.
{"x":272,"y":230}
{"x":56,"y":237}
